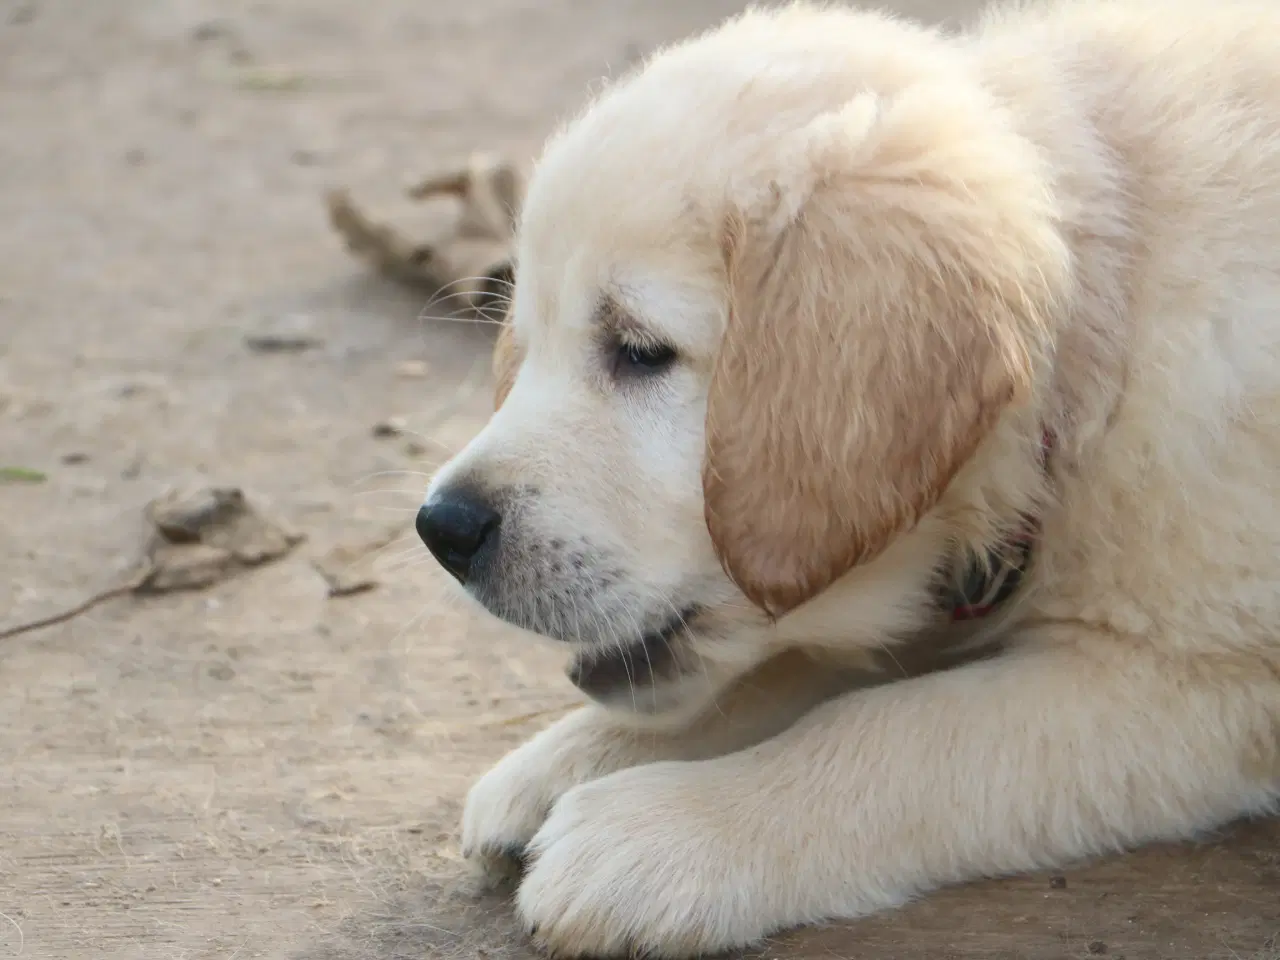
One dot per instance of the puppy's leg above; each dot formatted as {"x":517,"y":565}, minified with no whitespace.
{"x":508,"y":804}
{"x":1033,"y":759}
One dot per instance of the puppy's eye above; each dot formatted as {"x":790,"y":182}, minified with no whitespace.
{"x":635,"y":358}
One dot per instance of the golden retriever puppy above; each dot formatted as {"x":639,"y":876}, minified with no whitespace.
{"x":821,"y":319}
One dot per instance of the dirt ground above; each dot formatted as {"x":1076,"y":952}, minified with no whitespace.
{"x":256,"y":769}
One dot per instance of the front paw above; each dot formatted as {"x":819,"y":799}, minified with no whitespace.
{"x":504,"y":810}
{"x":509,"y":803}
{"x":652,"y":861}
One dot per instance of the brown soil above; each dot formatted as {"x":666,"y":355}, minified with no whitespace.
{"x":256,"y":768}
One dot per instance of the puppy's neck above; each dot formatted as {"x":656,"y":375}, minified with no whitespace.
{"x":1062,"y":106}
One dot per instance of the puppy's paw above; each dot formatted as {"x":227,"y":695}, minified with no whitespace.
{"x":651,"y":861}
{"x":508,"y":805}
{"x":504,"y":810}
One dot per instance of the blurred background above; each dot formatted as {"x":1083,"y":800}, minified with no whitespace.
{"x":255,"y":739}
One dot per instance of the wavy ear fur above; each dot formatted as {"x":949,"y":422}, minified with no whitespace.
{"x":875,"y":334}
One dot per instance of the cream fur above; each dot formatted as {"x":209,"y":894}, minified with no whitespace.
{"x":1091,"y":187}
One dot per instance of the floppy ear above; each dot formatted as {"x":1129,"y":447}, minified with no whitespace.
{"x":875,"y":335}
{"x":507,"y":357}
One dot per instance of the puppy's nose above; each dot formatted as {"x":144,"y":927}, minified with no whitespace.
{"x":454,"y":525}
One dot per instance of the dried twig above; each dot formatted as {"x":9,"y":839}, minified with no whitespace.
{"x":471,"y":260}
{"x":197,"y":538}
{"x":84,"y":606}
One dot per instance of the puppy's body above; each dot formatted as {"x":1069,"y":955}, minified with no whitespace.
{"x":887,"y":264}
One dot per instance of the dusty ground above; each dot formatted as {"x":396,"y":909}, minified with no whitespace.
{"x":257,"y":770}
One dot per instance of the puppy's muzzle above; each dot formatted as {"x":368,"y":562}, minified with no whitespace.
{"x":458,"y":525}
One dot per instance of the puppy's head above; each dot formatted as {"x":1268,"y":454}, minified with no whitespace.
{"x":775,"y":295}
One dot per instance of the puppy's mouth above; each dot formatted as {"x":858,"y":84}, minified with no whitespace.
{"x":608,"y":672}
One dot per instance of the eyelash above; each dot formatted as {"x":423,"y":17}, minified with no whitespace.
{"x":633,"y":359}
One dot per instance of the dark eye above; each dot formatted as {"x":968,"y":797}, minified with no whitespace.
{"x":637,"y":358}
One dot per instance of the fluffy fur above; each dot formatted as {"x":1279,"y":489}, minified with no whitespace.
{"x":887,"y":261}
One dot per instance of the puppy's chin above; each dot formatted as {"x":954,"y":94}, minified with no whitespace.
{"x":622,"y":679}
{"x":663,"y":681}
{"x":659,"y":676}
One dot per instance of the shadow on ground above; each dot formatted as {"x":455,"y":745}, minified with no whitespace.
{"x":1211,"y":901}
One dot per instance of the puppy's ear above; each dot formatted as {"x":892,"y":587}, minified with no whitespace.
{"x":507,"y":357}
{"x":886,"y":305}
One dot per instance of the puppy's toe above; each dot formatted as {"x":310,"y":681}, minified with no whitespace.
{"x":503,"y":811}
{"x":497,"y":867}
{"x":625,"y":866}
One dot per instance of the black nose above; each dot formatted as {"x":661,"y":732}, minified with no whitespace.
{"x":454,"y":525}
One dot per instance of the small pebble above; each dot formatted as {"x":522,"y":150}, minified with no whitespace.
{"x":211,"y":30}
{"x":74,"y":457}
{"x":1058,"y":883}
{"x":289,"y":334}
{"x":1097,"y":948}
{"x":390,"y":427}
{"x":412,"y":369}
